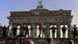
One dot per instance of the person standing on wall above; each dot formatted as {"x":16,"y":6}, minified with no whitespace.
{"x":14,"y":30}
{"x":4,"y":31}
{"x":64,"y":30}
{"x":74,"y":31}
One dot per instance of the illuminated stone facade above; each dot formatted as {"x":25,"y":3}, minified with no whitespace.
{"x":41,"y":16}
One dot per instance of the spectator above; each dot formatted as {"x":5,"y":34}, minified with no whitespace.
{"x":69,"y":42}
{"x":14,"y":30}
{"x":53,"y":31}
{"x":74,"y":31}
{"x":48,"y":40}
{"x":4,"y":31}
{"x":64,"y":30}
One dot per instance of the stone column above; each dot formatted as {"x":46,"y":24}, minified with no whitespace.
{"x":33,"y":31}
{"x":58,"y":30}
{"x":47,"y":31}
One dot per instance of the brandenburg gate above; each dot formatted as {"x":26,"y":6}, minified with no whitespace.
{"x":40,"y":22}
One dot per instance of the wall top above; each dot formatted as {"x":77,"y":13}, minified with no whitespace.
{"x":44,"y":12}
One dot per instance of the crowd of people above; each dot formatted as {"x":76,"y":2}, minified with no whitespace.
{"x":24,"y":31}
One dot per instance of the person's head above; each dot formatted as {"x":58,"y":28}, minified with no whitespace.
{"x":69,"y":42}
{"x":48,"y":39}
{"x":24,"y":25}
{"x":29,"y":42}
{"x":4,"y":25}
{"x":74,"y":25}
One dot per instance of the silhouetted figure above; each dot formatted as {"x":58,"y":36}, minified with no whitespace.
{"x":28,"y":41}
{"x":21,"y":41}
{"x":64,"y":30}
{"x":44,"y":31}
{"x":48,"y":40}
{"x":26,"y":31}
{"x":21,"y":36}
{"x":40,"y":29}
{"x":69,"y":42}
{"x":4,"y":31}
{"x":14,"y":41}
{"x":8,"y":41}
{"x":21,"y":32}
{"x":74,"y":31}
{"x":1,"y":31}
{"x":53,"y":31}
{"x":14,"y":31}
